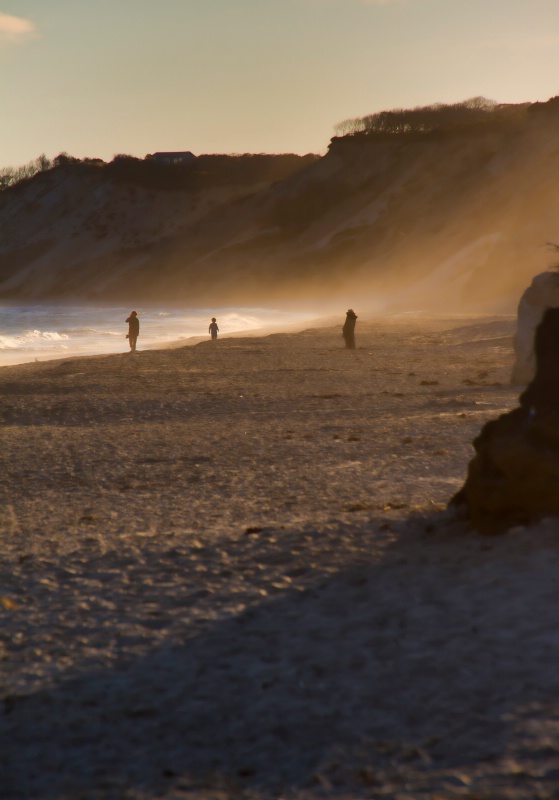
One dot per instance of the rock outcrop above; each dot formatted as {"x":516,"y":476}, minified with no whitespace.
{"x":514,"y":477}
{"x":542,"y":293}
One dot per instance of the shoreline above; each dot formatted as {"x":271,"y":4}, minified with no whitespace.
{"x":189,"y":341}
{"x":155,"y":345}
{"x":318,"y":322}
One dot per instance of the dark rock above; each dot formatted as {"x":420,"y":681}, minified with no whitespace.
{"x":514,"y":477}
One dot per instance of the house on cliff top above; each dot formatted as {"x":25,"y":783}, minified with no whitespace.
{"x":182,"y":157}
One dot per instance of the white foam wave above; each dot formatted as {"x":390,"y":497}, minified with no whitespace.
{"x":91,"y":332}
{"x":27,"y":339}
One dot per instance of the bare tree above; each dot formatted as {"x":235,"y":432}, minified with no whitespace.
{"x":437,"y":116}
{"x":9,"y":176}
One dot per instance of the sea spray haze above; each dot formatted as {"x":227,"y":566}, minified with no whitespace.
{"x":426,"y":207}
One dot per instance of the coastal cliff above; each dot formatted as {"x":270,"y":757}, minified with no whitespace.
{"x":458,"y":217}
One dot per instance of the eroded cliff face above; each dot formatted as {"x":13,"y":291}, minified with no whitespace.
{"x":78,"y":232}
{"x":451,"y":222}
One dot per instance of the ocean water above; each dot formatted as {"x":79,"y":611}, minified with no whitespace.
{"x":43,"y":332}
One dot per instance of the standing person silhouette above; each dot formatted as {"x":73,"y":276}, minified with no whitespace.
{"x":133,"y":330}
{"x":213,"y":329}
{"x":348,"y":331}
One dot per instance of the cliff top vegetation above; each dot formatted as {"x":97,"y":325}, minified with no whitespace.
{"x":474,"y":115}
{"x":206,"y":171}
{"x":470,"y":117}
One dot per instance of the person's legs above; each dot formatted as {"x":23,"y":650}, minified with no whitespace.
{"x":132,"y":340}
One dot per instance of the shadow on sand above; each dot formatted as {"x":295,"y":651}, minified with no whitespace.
{"x":411,"y":660}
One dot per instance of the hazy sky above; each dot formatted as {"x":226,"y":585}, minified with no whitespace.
{"x":100,"y":77}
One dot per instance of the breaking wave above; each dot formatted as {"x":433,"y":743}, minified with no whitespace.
{"x":91,"y":332}
{"x":29,"y":339}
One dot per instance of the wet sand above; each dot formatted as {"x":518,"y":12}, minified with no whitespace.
{"x":228,"y":572}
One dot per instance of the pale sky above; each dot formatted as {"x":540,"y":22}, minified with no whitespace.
{"x":100,"y":77}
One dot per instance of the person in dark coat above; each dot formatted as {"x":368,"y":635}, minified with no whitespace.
{"x":348,"y":331}
{"x":133,"y":330}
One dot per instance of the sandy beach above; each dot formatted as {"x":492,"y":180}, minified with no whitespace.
{"x":228,"y":571}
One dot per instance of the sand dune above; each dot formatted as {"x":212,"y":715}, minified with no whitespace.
{"x":228,"y":572}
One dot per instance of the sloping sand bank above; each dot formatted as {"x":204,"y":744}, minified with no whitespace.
{"x":227,"y":573}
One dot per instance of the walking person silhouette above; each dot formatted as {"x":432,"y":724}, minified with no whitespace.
{"x":133,"y":330}
{"x":213,"y":329}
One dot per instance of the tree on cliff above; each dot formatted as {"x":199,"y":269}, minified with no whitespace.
{"x":12,"y":175}
{"x":422,"y":118}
